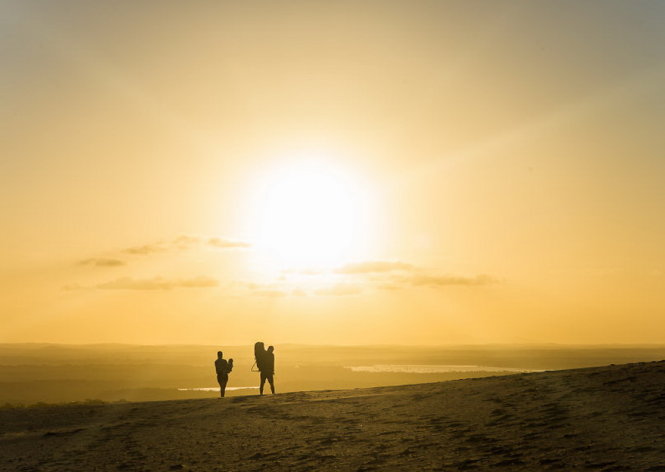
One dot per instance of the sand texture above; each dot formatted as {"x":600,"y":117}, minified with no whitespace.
{"x":607,"y":418}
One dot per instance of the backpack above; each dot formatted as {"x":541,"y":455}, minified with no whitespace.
{"x":259,"y":355}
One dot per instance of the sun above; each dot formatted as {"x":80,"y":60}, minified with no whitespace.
{"x":310,"y":214}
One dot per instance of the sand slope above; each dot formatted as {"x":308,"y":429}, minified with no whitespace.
{"x":608,"y":418}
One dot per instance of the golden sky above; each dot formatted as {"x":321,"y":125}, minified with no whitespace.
{"x":425,"y":172}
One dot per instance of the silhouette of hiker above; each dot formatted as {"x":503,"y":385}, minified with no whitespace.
{"x":265,"y":362}
{"x":223,"y":368}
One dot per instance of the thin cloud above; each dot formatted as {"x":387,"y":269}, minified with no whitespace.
{"x":263,"y":290}
{"x":369,"y":267}
{"x":102,"y":262}
{"x":184,"y":243}
{"x":157,"y":283}
{"x":445,"y":280}
{"x":227,"y":244}
{"x":339,"y":290}
{"x":145,"y":249}
{"x":197,"y":282}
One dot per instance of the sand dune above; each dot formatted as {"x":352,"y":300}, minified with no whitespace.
{"x":608,"y":418}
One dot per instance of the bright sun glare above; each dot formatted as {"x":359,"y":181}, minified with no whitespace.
{"x":310,"y":215}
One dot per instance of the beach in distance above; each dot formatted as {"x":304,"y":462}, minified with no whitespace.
{"x":600,"y":419}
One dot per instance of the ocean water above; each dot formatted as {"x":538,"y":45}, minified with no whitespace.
{"x":431,"y":369}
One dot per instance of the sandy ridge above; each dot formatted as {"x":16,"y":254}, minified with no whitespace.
{"x":607,"y":418}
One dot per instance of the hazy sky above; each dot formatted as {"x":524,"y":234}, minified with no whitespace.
{"x":332,"y":172}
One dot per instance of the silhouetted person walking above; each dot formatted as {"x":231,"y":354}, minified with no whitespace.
{"x":265,"y":362}
{"x":268,"y":370}
{"x":223,"y":368}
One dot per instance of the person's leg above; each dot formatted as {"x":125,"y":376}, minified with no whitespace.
{"x":263,"y":381}
{"x":271,"y":380}
{"x":222,"y":387}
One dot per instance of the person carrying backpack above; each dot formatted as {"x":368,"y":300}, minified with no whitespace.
{"x":265,"y":363}
{"x":222,"y":368}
